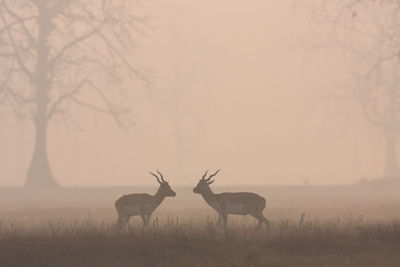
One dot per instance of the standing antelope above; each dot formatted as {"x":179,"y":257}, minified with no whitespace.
{"x":142,"y":204}
{"x":240,"y":203}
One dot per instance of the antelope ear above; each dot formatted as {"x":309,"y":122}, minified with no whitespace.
{"x":210,"y":182}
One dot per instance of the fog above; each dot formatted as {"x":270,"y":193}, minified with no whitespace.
{"x":231,"y":87}
{"x":199,"y":133}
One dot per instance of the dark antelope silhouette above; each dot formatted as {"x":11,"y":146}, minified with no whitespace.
{"x":239,"y":203}
{"x":142,"y":204}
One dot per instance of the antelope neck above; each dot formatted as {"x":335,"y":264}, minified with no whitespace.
{"x":158,"y":197}
{"x":208,"y":195}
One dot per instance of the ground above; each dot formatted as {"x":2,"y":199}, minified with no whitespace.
{"x":335,"y":226}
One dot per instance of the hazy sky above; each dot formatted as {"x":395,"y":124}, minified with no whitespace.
{"x":232,"y":89}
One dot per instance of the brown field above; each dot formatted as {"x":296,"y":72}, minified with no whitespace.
{"x":340,"y":226}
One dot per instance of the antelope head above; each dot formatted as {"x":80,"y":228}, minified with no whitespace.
{"x":164,"y":189}
{"x":204,"y":183}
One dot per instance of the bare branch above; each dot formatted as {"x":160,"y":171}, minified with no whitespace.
{"x":123,"y":58}
{"x":75,"y":42}
{"x":115,"y":114}
{"x":76,"y":39}
{"x":53,"y":108}
{"x":11,"y":24}
{"x":17,"y":51}
{"x":21,"y":22}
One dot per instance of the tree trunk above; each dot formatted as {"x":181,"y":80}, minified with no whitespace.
{"x":39,"y":173}
{"x":391,"y":162}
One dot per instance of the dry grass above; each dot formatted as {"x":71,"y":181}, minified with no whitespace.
{"x":350,"y":242}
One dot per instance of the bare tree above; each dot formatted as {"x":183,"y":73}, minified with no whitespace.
{"x":60,"y":56}
{"x":367,"y":32}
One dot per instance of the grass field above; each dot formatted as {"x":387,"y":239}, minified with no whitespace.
{"x":336,"y":229}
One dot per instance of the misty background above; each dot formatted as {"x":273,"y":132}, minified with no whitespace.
{"x":232,"y":87}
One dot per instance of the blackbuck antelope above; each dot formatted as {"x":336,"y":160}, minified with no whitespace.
{"x":142,"y":204}
{"x":240,"y":203}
